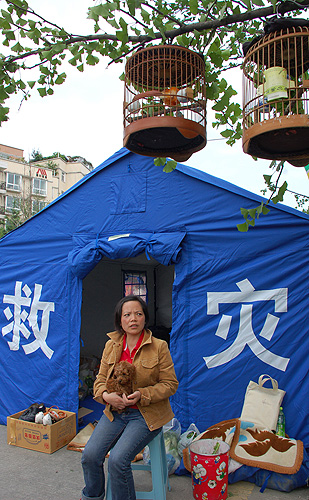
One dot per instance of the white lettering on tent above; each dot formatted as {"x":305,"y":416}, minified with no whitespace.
{"x":118,"y":236}
{"x":246,"y":335}
{"x":22,"y":298}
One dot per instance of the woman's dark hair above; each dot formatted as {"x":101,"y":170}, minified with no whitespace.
{"x":118,"y":310}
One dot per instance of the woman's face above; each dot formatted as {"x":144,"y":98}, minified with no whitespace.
{"x":132,"y":318}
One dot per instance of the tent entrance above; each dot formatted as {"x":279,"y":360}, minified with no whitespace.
{"x":103,"y":287}
{"x":100,"y":261}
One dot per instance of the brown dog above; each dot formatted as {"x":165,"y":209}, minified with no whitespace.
{"x":122,"y":379}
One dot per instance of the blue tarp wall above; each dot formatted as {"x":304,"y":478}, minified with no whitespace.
{"x":240,"y":300}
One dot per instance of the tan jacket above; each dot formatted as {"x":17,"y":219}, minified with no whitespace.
{"x":155,"y":377}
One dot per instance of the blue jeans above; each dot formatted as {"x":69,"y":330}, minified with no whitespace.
{"x":126,"y":435}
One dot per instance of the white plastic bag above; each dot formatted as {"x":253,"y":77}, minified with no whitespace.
{"x":171,"y":434}
{"x":187,"y":437}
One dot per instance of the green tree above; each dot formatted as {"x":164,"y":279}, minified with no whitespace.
{"x":19,"y":213}
{"x":216,"y":28}
{"x":36,"y":155}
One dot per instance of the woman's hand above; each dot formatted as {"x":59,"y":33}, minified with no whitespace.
{"x":131,"y":399}
{"x":114,"y":400}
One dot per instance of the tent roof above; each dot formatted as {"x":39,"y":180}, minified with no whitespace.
{"x":184,"y":169}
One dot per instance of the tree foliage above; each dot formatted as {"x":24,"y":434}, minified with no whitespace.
{"x":35,"y":49}
{"x":20,"y":212}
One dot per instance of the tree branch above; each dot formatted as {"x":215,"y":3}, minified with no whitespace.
{"x":203,"y":26}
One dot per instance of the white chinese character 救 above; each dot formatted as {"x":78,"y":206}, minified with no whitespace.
{"x":20,"y":300}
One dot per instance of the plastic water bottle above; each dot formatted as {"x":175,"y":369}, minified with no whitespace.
{"x":281,"y":423}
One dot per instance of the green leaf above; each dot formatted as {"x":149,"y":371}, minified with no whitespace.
{"x":17,"y":48}
{"x":74,"y":49}
{"x":145,"y":15}
{"x":244,"y":212}
{"x":170,"y":166}
{"x":220,"y":105}
{"x":73,"y":61}
{"x":159,"y":162}
{"x":99,"y":11}
{"x":243,"y":228}
{"x":131,"y":6}
{"x":252,"y":212}
{"x":60,"y":79}
{"x":267,"y":178}
{"x":259,"y":209}
{"x":6,"y":16}
{"x":9,"y":35}
{"x":21,"y":84}
{"x":3,"y":94}
{"x":80,"y":68}
{"x":227,"y":133}
{"x":92,"y":60}
{"x":122,"y":36}
{"x":193,"y":4}
{"x":42,"y":91}
{"x":44,"y":70}
{"x":281,"y":192}
{"x":113,"y":23}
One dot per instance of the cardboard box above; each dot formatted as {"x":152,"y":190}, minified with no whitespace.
{"x":39,"y":437}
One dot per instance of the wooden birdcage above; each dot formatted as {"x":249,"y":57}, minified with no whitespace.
{"x":164,"y":112}
{"x":276,"y":96}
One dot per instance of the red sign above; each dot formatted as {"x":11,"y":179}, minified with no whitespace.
{"x":32,"y":436}
{"x":41,"y":172}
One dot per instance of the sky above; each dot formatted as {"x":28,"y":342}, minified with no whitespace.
{"x":84,"y":117}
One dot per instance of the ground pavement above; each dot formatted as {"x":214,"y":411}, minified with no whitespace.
{"x":30,"y":475}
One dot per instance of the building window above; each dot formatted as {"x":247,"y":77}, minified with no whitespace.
{"x":12,"y":203}
{"x":39,"y":187}
{"x":13,"y":181}
{"x":63,"y":176}
{"x":135,"y":283}
{"x":37,"y":205}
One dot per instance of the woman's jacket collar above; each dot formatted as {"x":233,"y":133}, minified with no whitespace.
{"x":117,"y":337}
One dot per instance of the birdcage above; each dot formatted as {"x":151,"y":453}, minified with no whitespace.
{"x":164,"y":110}
{"x":276,"y":96}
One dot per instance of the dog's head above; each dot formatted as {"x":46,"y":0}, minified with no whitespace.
{"x":124,"y":372}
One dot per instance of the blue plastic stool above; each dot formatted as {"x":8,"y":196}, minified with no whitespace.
{"x":159,"y":472}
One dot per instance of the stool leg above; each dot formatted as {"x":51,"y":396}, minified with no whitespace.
{"x":164,"y":460}
{"x":108,"y":492}
{"x":158,"y":467}
{"x":159,"y":472}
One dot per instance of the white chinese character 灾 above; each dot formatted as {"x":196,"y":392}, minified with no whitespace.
{"x":246,"y":334}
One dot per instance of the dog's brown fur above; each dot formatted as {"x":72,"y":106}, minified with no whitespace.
{"x":121,"y":380}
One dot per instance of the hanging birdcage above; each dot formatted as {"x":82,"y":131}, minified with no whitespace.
{"x":276,"y":95}
{"x":164,"y":110}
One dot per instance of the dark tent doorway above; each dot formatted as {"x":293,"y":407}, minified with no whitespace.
{"x":102,"y":288}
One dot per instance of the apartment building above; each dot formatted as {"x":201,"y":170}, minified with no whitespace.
{"x":35,"y":183}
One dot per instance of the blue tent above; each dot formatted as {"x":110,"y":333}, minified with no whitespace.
{"x":239,"y":301}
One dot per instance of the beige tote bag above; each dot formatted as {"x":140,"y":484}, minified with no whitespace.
{"x":261,"y":405}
